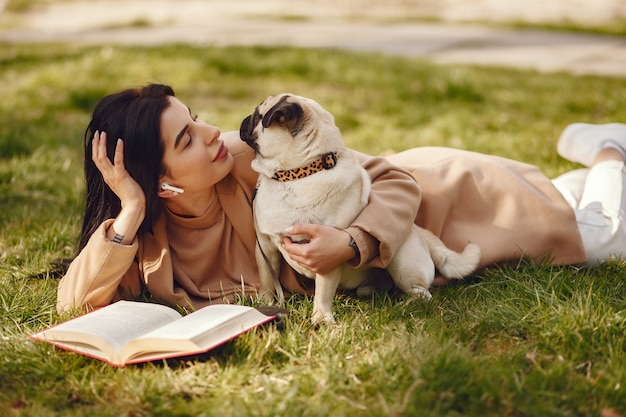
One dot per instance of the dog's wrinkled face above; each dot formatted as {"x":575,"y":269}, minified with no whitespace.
{"x":287,"y":130}
{"x":275,"y":111}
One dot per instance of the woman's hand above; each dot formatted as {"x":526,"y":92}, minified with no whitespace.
{"x":326,"y":248}
{"x":115,"y":175}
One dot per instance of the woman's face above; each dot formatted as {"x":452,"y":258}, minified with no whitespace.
{"x":194,"y":157}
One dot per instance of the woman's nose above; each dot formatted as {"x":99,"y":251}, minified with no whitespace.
{"x":212,"y":133}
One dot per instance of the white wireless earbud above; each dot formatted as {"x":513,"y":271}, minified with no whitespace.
{"x":175,"y":190}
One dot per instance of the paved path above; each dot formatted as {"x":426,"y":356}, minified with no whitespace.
{"x":218,"y":23}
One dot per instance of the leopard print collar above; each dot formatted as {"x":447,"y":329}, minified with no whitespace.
{"x":327,"y":161}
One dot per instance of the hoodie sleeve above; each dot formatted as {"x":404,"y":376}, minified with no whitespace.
{"x":100,"y":273}
{"x":384,"y":223}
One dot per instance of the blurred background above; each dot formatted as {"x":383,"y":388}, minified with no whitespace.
{"x":49,"y":15}
{"x":579,"y":36}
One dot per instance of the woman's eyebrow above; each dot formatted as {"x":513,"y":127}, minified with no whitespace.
{"x":180,"y":136}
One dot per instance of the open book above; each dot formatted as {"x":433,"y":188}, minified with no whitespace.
{"x":131,"y":332}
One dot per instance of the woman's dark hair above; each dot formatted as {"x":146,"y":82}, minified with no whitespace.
{"x":134,"y":115}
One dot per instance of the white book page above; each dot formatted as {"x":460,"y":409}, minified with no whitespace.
{"x":195,"y":324}
{"x":117,"y":323}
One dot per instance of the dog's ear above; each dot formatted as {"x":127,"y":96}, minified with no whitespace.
{"x":246,"y":130}
{"x":285,"y":114}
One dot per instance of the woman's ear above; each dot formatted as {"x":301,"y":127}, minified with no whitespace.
{"x":165,"y":194}
{"x":168,"y":191}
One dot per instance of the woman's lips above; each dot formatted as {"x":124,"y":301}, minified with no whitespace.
{"x":222,"y":152}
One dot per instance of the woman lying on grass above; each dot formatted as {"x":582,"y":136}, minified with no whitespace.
{"x":168,"y":208}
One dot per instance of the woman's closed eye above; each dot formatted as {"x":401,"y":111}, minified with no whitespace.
{"x":194,"y":118}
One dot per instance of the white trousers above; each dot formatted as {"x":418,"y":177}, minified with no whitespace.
{"x":598,"y":197}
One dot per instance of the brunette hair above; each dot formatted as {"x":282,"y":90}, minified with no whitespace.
{"x":134,"y":115}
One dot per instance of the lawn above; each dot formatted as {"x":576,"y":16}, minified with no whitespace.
{"x":526,"y":341}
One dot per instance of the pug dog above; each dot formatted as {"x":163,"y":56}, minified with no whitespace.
{"x":307,"y":175}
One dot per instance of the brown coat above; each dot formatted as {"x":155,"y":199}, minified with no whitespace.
{"x":510,"y":209}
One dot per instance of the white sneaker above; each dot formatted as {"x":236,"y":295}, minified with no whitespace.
{"x":581,"y":142}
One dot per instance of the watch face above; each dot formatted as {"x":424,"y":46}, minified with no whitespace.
{"x":354,"y":247}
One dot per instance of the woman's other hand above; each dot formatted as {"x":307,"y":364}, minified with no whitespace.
{"x":324,"y":250}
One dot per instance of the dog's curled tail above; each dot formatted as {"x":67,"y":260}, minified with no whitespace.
{"x":451,"y":264}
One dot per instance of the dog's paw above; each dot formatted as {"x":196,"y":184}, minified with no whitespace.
{"x":364,"y":291}
{"x":321,"y":318}
{"x":421,"y":293}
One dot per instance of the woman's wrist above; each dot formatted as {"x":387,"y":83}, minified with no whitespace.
{"x":125,"y":226}
{"x":366,"y":245}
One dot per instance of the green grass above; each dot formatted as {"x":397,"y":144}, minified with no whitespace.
{"x":525,"y":341}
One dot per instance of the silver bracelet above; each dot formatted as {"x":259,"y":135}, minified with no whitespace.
{"x":117,"y":238}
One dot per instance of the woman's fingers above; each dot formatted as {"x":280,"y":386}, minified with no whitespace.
{"x":114,"y":173}
{"x":99,"y":152}
{"x":118,"y":158}
{"x":95,"y":145}
{"x":100,"y":157}
{"x":325,"y":248}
